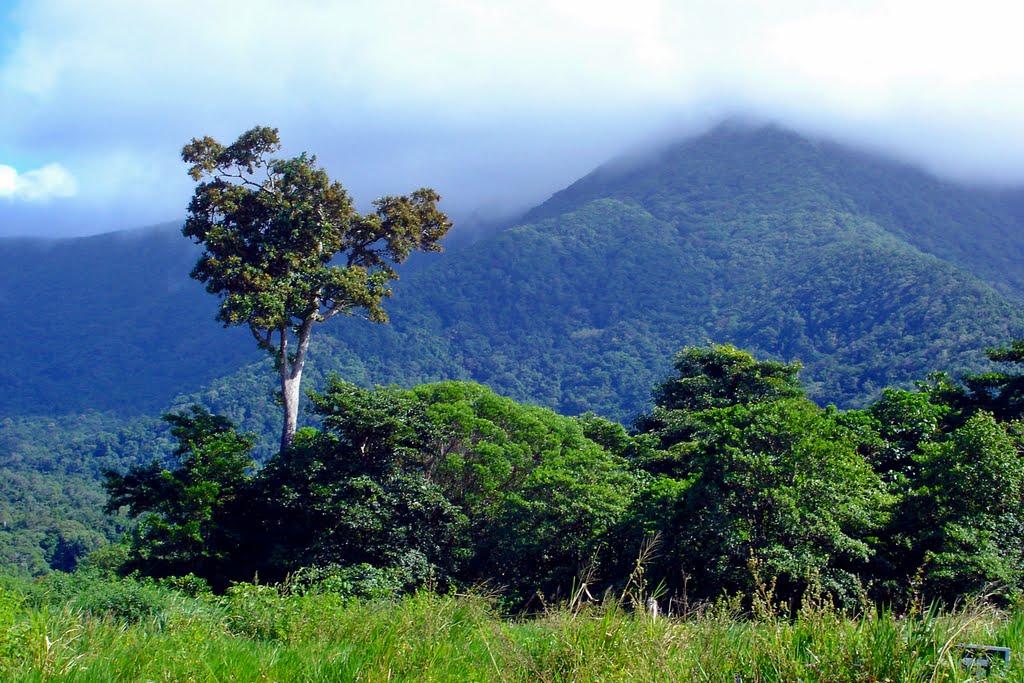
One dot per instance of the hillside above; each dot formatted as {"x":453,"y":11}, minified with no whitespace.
{"x":791,"y":248}
{"x":764,"y":169}
{"x":109,"y":323}
{"x":870,"y":272}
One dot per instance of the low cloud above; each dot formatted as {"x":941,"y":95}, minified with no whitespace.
{"x":52,"y":181}
{"x":494,"y":104}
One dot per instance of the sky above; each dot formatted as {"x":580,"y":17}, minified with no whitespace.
{"x":494,"y":103}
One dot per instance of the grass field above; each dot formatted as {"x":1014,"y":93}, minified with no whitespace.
{"x":72,"y":628}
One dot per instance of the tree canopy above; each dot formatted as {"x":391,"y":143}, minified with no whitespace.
{"x":192,"y":514}
{"x":756,"y":480}
{"x":285,"y":249}
{"x":736,"y":480}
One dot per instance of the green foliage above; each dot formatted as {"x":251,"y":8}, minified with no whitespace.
{"x":100,"y":594}
{"x":189,"y":513}
{"x":738,"y":478}
{"x":51,"y":500}
{"x":257,"y":632}
{"x":779,"y":484}
{"x":14,"y":630}
{"x":760,"y":481}
{"x":553,"y":528}
{"x":358,"y":581}
{"x":81,"y":445}
{"x":718,"y":376}
{"x":51,"y":521}
{"x":111,"y":340}
{"x":284,"y":248}
{"x":906,"y":422}
{"x":446,"y":483}
{"x":347,"y":497}
{"x":713,"y":376}
{"x":970,"y":502}
{"x":540,"y":495}
{"x":999,"y":392}
{"x":272,"y":227}
{"x":955,"y":472}
{"x":325,"y":506}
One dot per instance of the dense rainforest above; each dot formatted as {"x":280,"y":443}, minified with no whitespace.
{"x":447,"y":532}
{"x":733,"y":478}
{"x":468,"y":465}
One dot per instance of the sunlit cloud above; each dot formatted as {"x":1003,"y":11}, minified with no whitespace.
{"x":52,"y":181}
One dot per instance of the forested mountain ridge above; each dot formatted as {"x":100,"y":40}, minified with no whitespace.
{"x":792,"y":248}
{"x":110,"y":323}
{"x":750,"y":237}
{"x":870,"y":272}
{"x":974,"y":227}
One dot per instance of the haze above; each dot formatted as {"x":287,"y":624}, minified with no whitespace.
{"x":495,"y":104}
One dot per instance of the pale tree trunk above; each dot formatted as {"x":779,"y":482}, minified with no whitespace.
{"x":291,"y":378}
{"x":290,"y":395}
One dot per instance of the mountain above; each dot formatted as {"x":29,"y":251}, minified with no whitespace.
{"x":870,"y":272}
{"x":110,"y":323}
{"x":770,"y":168}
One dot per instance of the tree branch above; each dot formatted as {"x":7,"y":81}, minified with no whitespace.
{"x":263,"y":341}
{"x":335,"y":310}
{"x":236,"y":173}
{"x":303,"y":333}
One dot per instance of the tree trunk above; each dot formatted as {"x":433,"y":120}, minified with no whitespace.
{"x":291,"y":378}
{"x":290,"y":396}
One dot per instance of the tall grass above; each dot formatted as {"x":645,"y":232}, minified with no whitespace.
{"x":262,"y":633}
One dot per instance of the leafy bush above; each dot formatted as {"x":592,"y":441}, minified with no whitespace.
{"x":14,"y":629}
{"x":101,"y":594}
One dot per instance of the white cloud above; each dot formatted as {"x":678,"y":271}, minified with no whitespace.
{"x":51,"y":181}
{"x":492,"y":99}
{"x":8,"y":181}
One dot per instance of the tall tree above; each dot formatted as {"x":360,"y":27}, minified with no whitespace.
{"x":284,"y":247}
{"x":708,"y":377}
{"x":753,"y":476}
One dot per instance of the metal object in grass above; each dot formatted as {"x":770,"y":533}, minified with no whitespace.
{"x":977,"y":659}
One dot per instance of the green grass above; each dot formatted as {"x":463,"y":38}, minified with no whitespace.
{"x":260,"y":633}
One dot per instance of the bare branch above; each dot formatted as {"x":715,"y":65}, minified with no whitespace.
{"x":263,"y":341}
{"x":335,"y":310}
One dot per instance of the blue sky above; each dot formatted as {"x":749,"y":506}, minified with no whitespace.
{"x":496,"y":104}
